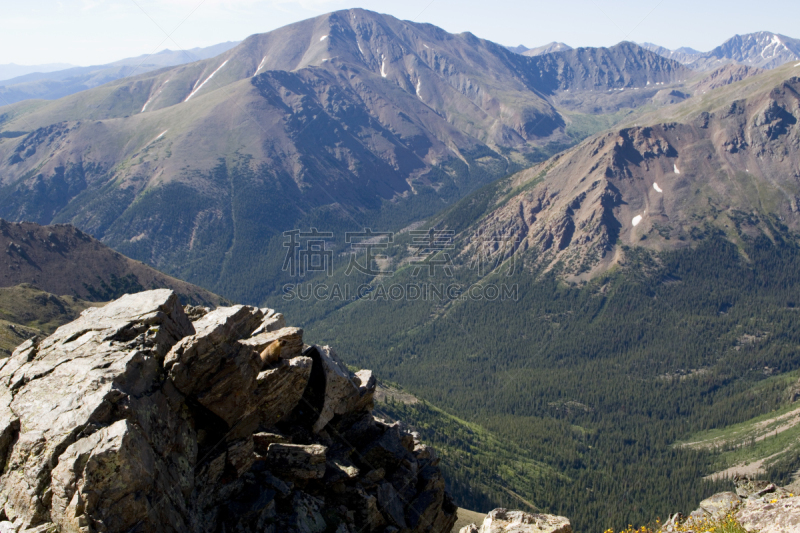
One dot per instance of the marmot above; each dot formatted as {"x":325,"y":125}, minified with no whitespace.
{"x":272,"y":352}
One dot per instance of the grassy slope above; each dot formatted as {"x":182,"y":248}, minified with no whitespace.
{"x":479,"y":466}
{"x":26,"y":311}
{"x":768,"y":443}
{"x":717,"y":99}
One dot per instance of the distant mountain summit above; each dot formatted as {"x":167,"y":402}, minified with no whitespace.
{"x":761,"y":50}
{"x":683,"y":55}
{"x":547,"y":49}
{"x":539,"y":50}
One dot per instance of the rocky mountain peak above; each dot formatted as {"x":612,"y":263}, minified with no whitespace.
{"x":762,"y":49}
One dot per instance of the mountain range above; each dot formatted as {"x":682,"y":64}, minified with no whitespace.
{"x":722,"y":160}
{"x":652,"y":282}
{"x":52,"y":273}
{"x":356,"y":115}
{"x":12,"y":70}
{"x":50,"y":82}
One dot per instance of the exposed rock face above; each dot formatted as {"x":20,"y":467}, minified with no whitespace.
{"x":718,"y":506}
{"x":505,"y":521}
{"x":758,"y":505}
{"x":134,"y":418}
{"x":782,"y":516}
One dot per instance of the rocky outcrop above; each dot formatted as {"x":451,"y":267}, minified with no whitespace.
{"x":136,"y":418}
{"x":772,"y":516}
{"x":757,"y":505}
{"x":505,"y":521}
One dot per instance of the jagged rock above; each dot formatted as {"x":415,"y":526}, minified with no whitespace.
{"x":273,"y":321}
{"x":366,"y":384}
{"x":505,"y":521}
{"x":133,"y":418}
{"x":116,"y":462}
{"x":307,"y":516}
{"x":338,"y":469}
{"x":672,"y":524}
{"x":292,"y":341}
{"x":392,"y":505}
{"x":341,"y":394}
{"x":196,"y":312}
{"x":263,"y":439}
{"x":80,"y":378}
{"x":747,"y":487}
{"x":280,"y":389}
{"x":296,"y":461}
{"x":212,"y":367}
{"x":757,"y":504}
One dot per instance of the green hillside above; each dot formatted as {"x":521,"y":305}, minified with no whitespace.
{"x":597,"y":381}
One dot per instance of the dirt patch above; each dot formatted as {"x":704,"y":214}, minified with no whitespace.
{"x":753,"y":469}
{"x":385,"y":392}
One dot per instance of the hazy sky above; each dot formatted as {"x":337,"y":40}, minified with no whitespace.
{"x":86,"y":32}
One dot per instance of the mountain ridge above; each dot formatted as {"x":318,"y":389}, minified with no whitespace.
{"x":52,"y":84}
{"x":12,"y":70}
{"x":63,"y":260}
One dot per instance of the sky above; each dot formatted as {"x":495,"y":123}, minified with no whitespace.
{"x":92,"y":32}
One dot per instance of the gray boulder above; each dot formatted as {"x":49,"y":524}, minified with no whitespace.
{"x":717,"y":506}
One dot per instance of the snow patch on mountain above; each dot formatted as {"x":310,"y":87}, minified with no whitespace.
{"x":194,"y":92}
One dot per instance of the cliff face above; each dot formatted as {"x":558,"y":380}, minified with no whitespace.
{"x":140,"y":417}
